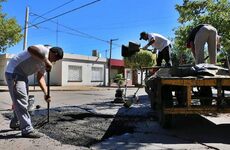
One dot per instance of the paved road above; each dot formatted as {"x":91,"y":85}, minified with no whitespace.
{"x":66,"y":98}
{"x":195,"y":132}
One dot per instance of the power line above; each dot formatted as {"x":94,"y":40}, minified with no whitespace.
{"x":75,"y":30}
{"x":53,"y":9}
{"x":66,"y":12}
{"x":80,"y":35}
{"x":69,"y":33}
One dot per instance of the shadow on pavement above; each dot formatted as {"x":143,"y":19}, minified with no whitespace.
{"x":196,"y":128}
{"x":3,"y":134}
{"x":139,"y":130}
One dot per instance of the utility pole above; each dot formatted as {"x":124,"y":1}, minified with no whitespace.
{"x":110,"y":55}
{"x":26,"y":28}
{"x":25,"y":34}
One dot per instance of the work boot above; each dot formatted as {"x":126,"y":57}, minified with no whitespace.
{"x":32,"y":134}
{"x":15,"y":125}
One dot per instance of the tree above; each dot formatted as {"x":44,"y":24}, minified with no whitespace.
{"x":194,"y":12}
{"x":10,"y":31}
{"x":180,"y":57}
{"x":141,"y":59}
{"x":119,"y":79}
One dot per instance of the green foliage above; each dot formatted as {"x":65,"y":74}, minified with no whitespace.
{"x":194,"y":12}
{"x":119,"y":79}
{"x":181,"y":57}
{"x":10,"y":31}
{"x":141,"y":59}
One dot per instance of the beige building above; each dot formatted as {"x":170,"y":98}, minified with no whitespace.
{"x":73,"y":69}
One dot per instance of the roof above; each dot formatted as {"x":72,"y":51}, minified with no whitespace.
{"x":75,"y":57}
{"x":117,"y":62}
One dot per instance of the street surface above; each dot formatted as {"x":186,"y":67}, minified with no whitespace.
{"x":143,"y":132}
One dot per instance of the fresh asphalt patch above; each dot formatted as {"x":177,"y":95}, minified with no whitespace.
{"x":81,"y":128}
{"x":72,"y":125}
{"x":86,"y":125}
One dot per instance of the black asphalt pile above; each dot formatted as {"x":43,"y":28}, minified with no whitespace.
{"x":78,"y":125}
{"x":82,"y":126}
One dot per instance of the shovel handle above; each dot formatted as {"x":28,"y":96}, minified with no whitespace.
{"x":48,"y":111}
{"x":48,"y":94}
{"x":48,"y":83}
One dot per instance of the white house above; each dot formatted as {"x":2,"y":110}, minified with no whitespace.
{"x":73,"y":69}
{"x":3,"y":62}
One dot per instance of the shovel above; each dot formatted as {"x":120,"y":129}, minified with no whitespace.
{"x":44,"y":121}
{"x":48,"y":94}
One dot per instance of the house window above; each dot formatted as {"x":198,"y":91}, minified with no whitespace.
{"x":74,"y":74}
{"x":97,"y":74}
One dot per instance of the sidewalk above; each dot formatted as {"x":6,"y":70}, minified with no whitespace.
{"x":68,"y":88}
{"x":62,"y":88}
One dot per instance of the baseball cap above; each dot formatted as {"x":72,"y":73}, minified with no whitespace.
{"x":142,"y":34}
{"x":58,"y":51}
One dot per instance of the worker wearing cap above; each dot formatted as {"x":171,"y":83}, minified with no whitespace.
{"x":198,"y":37}
{"x":162,"y":44}
{"x":36,"y":59}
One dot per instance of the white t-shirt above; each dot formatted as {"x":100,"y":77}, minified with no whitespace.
{"x":24,"y":64}
{"x":160,"y":41}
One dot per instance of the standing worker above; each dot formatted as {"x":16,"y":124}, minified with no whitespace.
{"x":197,"y":38}
{"x":162,"y":44}
{"x":36,"y":59}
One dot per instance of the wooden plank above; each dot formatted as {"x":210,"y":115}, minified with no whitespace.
{"x":225,"y":82}
{"x":196,"y":110}
{"x":195,"y":82}
{"x":189,"y":82}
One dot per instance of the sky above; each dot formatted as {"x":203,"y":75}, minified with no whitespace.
{"x":80,"y":26}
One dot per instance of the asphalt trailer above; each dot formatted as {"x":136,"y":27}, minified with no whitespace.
{"x":172,"y":91}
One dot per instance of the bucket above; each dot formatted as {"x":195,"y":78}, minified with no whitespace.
{"x":134,"y":47}
{"x":128,"y":51}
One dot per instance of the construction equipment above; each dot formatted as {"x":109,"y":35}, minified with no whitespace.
{"x":172,"y":95}
{"x":45,"y":120}
{"x":131,"y":99}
